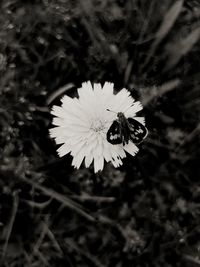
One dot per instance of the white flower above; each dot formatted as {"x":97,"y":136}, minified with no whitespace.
{"x":82,"y":124}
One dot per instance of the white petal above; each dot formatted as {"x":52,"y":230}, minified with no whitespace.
{"x":58,"y":111}
{"x":121,"y":152}
{"x":54,"y":132}
{"x":140,"y":119}
{"x":131,"y":148}
{"x":121,"y":101}
{"x":57,"y":121}
{"x":116,"y":163}
{"x":98,"y":164}
{"x":106,"y":151}
{"x":61,"y":140}
{"x":97,"y":89}
{"x":86,"y":91}
{"x":88,"y":160}
{"x":137,"y":106}
{"x":78,"y":159}
{"x":74,"y":109}
{"x":63,"y":150}
{"x":73,"y":141}
{"x":117,"y":151}
{"x":66,"y":100}
{"x":108,"y":88}
{"x":78,"y":147}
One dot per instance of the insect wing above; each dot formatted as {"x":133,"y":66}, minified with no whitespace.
{"x":137,"y":131}
{"x":113,"y":134}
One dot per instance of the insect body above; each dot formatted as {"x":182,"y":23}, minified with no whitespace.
{"x":124,"y":129}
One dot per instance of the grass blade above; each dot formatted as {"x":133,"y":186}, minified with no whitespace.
{"x":158,"y":91}
{"x":59,"y":92}
{"x":9,"y":228}
{"x":62,"y":199}
{"x":166,"y":25}
{"x":181,"y":48}
{"x":169,"y":20}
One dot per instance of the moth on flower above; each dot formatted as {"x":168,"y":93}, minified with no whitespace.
{"x":98,"y":125}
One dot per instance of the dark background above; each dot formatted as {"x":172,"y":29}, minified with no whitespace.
{"x":147,"y":212}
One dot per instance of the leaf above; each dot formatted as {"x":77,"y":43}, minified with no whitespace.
{"x":181,"y":48}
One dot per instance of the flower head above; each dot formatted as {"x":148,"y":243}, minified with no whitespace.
{"x":82,"y":124}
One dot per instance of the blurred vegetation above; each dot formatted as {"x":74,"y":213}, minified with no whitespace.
{"x":145,"y":213}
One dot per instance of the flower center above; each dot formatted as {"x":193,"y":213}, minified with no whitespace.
{"x":97,"y":126}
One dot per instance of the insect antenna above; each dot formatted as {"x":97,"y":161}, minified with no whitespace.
{"x":127,"y":109}
{"x":111,"y":110}
{"x":117,"y":112}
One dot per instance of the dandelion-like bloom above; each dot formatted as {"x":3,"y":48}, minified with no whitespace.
{"x":82,"y":124}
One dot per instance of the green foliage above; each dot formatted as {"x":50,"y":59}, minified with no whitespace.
{"x":145,"y":213}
